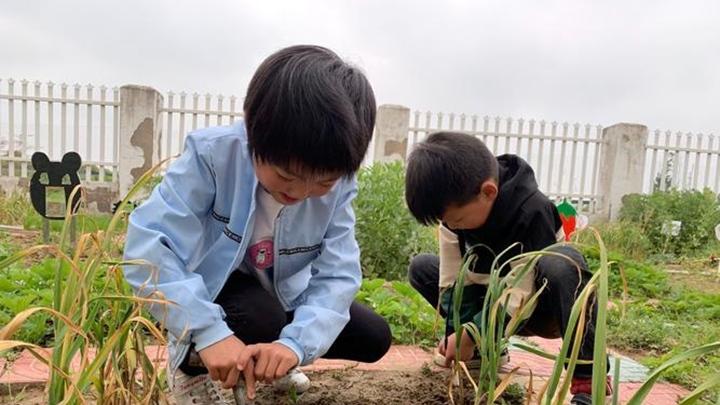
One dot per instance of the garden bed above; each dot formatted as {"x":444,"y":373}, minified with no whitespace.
{"x":352,"y":387}
{"x":336,"y":387}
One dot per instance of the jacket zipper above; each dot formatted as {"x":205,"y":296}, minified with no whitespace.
{"x":276,"y":257}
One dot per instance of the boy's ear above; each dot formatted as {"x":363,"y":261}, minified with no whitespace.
{"x":489,"y":190}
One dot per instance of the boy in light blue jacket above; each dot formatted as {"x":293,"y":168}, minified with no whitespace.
{"x":251,"y":234}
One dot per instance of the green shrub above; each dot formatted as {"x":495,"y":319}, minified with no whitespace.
{"x":411,"y":318}
{"x":623,"y":237}
{"x":643,"y":280}
{"x":698,"y":211}
{"x":388,"y":235}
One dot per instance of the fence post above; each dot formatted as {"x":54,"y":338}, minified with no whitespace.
{"x":622,"y":166}
{"x":391,"y":133}
{"x":139,"y":133}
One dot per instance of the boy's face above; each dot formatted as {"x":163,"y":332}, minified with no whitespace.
{"x":289,"y":186}
{"x":474,"y":214}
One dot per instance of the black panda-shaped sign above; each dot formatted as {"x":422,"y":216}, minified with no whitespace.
{"x":52,"y":184}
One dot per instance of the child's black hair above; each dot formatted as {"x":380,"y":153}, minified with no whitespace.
{"x":308,"y":108}
{"x":447,"y":168}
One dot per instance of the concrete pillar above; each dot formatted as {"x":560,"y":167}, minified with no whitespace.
{"x":622,"y":165}
{"x":140,"y":132}
{"x":391,"y":133}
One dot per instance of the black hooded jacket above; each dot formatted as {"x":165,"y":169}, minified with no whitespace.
{"x":520,"y":213}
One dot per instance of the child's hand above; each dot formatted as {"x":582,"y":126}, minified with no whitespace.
{"x":265,"y":362}
{"x":219,"y":357}
{"x":466,"y":348}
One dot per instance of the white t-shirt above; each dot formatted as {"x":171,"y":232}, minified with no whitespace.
{"x":259,"y":258}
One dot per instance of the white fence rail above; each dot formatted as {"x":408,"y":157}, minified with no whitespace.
{"x":57,"y":119}
{"x":565,"y":156}
{"x":683,"y":161}
{"x":183,"y":113}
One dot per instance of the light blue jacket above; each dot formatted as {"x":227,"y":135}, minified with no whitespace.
{"x":196,"y":226}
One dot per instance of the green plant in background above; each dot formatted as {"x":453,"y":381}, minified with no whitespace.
{"x":623,"y":237}
{"x":101,"y":323}
{"x":388,"y":235}
{"x":699,"y":212}
{"x":21,"y":288}
{"x":658,"y":320}
{"x":411,"y":319}
{"x":14,"y":208}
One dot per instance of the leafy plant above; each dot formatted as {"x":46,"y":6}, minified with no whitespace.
{"x":698,"y":211}
{"x":623,"y":237}
{"x":100,"y":323}
{"x":388,"y":235}
{"x":21,"y":288}
{"x":411,"y":319}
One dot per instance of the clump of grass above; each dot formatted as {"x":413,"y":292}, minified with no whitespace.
{"x":14,"y":208}
{"x":101,"y":324}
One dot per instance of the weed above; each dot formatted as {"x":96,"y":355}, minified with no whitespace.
{"x":14,"y":208}
{"x":411,"y":319}
{"x":426,"y":370}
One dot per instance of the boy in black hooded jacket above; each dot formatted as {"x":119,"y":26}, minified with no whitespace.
{"x":495,"y":203}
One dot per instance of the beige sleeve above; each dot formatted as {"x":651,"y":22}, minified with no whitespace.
{"x":451,"y":261}
{"x":450,"y":258}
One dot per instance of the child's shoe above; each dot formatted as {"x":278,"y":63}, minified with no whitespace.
{"x":294,"y":378}
{"x":582,"y":398}
{"x":189,"y":390}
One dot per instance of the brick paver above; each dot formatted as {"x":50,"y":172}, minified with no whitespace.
{"x":26,"y":369}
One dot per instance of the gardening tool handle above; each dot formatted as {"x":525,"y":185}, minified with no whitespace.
{"x":239,"y":392}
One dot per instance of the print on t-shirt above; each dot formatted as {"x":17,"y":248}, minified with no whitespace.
{"x":260,"y":255}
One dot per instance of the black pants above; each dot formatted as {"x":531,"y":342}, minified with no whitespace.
{"x":255,"y":316}
{"x":552,"y":312}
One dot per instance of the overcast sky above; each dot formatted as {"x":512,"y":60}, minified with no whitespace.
{"x":652,"y":62}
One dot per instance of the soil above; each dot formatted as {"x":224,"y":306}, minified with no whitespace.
{"x":30,"y":395}
{"x":347,"y":387}
{"x":381,"y":387}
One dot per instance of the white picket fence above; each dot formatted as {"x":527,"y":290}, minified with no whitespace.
{"x":182,"y":113}
{"x":84,"y":118}
{"x":564,"y":156}
{"x":683,"y":161}
{"x":56,"y":119}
